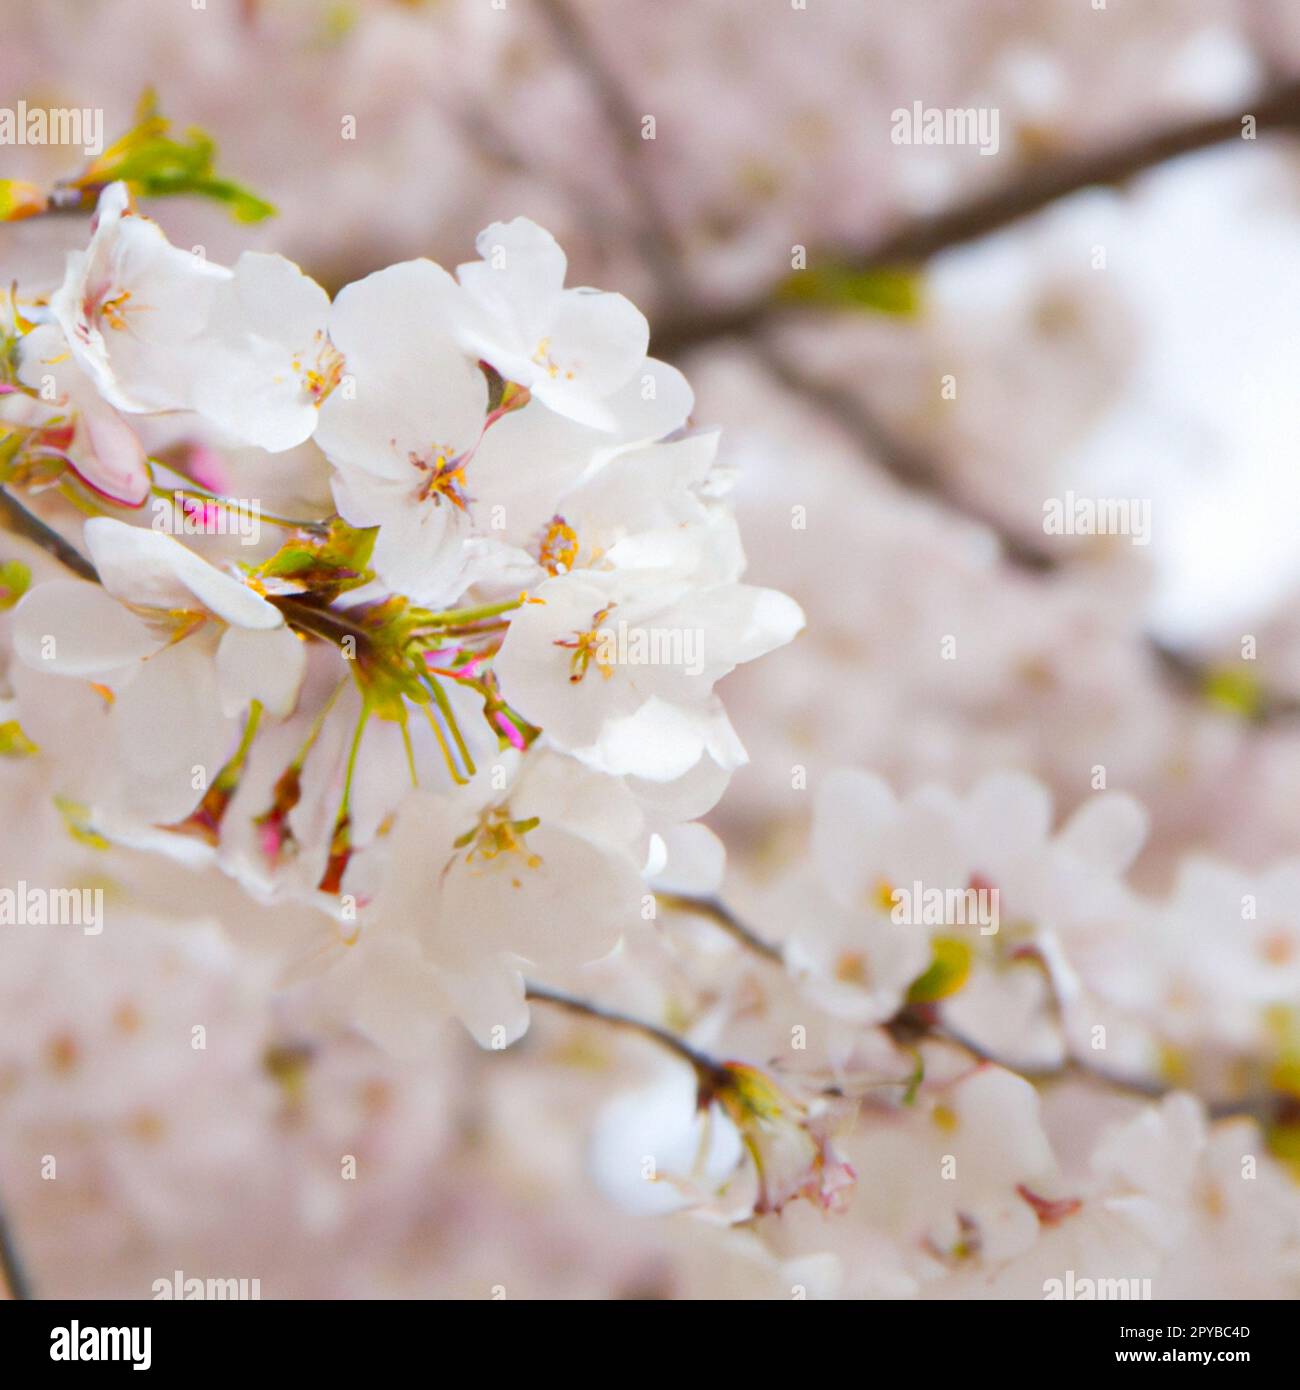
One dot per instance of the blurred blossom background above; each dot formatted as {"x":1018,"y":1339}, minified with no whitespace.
{"x":1106,"y":305}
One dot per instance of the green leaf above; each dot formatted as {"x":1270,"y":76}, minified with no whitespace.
{"x":1233,"y":689}
{"x":324,"y":565}
{"x":948,"y":972}
{"x":15,"y":580}
{"x":885,"y":290}
{"x":14,"y":743}
{"x":155,"y":165}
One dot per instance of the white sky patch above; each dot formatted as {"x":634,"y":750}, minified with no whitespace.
{"x":1206,"y":253}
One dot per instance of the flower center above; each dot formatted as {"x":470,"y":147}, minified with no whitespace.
{"x":325,"y":372}
{"x":592,"y":645}
{"x":542,"y":356}
{"x":499,"y":837}
{"x":559,"y":548}
{"x":444,"y":477}
{"x":109,"y":308}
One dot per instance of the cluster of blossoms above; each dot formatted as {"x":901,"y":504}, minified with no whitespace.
{"x":463,"y":714}
{"x":1032,"y":943}
{"x":458,"y":729}
{"x":920,"y":966}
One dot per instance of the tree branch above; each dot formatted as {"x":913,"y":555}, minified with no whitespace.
{"x":1029,"y":192}
{"x":705,"y":1067}
{"x":908,"y":466}
{"x":721,"y":915}
{"x":11,"y":1267}
{"x":28,"y":524}
{"x":656,"y":239}
{"x":917,"y":1023}
{"x":918,"y":472}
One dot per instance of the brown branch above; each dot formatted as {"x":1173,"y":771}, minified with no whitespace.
{"x":909,"y":466}
{"x":1029,"y":192}
{"x":706,"y":1068}
{"x":721,"y":915}
{"x":918,"y":1023}
{"x":915,"y":1024}
{"x":11,"y":1266}
{"x":656,"y":240}
{"x":24,"y":523}
{"x":918,"y":472}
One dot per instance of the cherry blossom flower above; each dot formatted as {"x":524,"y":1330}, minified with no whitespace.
{"x":618,"y":667}
{"x":268,"y":363}
{"x":72,"y":421}
{"x":178,"y":650}
{"x":133,"y":307}
{"x":547,"y":874}
{"x":572,"y":348}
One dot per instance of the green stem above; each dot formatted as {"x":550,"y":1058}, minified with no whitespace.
{"x":456,"y":617}
{"x":352,"y":764}
{"x":229,"y":774}
{"x":444,"y":705}
{"x":192,"y":492}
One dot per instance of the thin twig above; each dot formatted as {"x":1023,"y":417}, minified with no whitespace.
{"x":706,"y":1068}
{"x":718,"y":912}
{"x":656,"y":239}
{"x":25,"y":523}
{"x":916,"y":1023}
{"x":11,"y":1266}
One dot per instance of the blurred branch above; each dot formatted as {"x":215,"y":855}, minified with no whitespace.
{"x":918,"y":1022}
{"x":721,"y":915}
{"x":1029,"y":192}
{"x":918,"y":472}
{"x":656,"y":240}
{"x":907,"y":465}
{"x":915,"y":1024}
{"x":24,"y":523}
{"x":11,"y":1267}
{"x":1200,"y":679}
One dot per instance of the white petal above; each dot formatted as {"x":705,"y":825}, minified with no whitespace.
{"x":487,"y":1000}
{"x":517,"y":285}
{"x":696,"y":861}
{"x":92,"y":633}
{"x":851,"y":814}
{"x":279,"y":301}
{"x":155,"y":570}
{"x":596,"y":342}
{"x":1106,"y":832}
{"x":414,"y":387}
{"x":260,"y":665}
{"x":268,"y":328}
{"x":168,"y":724}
